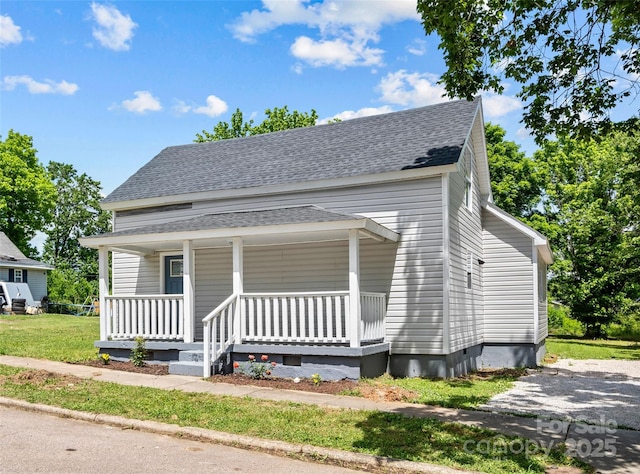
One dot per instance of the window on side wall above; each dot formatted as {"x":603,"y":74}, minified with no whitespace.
{"x":468,"y":180}
{"x":17,"y":276}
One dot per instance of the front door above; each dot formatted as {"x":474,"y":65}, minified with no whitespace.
{"x":173,"y":274}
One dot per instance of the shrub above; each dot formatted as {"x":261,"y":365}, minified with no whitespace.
{"x":139,"y":353}
{"x":561,"y":324}
{"x":254,"y":369}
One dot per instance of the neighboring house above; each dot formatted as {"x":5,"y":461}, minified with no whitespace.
{"x":347,"y":249}
{"x":15,"y":267}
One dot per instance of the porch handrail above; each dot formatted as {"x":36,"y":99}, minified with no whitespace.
{"x":148,"y":316}
{"x":218,"y":331}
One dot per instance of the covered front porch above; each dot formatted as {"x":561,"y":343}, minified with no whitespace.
{"x":337,"y":319}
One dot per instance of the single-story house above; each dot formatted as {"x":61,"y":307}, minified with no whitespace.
{"x":346,"y":249}
{"x":15,"y":267}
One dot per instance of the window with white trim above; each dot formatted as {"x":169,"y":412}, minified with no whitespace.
{"x":17,"y":276}
{"x":468,"y":180}
{"x":469,"y":268}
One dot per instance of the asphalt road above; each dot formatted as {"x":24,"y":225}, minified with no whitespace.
{"x":33,"y":442}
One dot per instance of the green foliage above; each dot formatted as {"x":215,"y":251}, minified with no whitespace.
{"x":139,"y":352}
{"x":68,"y":338}
{"x":628,"y":329}
{"x":27,"y":195}
{"x":316,"y":379}
{"x":65,"y":285}
{"x":77,"y":214}
{"x":277,"y":119}
{"x":560,"y":323}
{"x":592,"y":212}
{"x":515,"y":182}
{"x":575,"y":60}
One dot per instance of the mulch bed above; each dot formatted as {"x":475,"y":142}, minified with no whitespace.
{"x":375,"y":391}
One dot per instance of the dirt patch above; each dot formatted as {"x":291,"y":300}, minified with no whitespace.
{"x":44,"y":379}
{"x":150,"y":369}
{"x":336,"y":387}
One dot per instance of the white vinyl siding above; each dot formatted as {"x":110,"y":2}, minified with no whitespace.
{"x":465,"y":251}
{"x":37,"y":281}
{"x":543,"y":326}
{"x":411,"y":275}
{"x":508,"y":277}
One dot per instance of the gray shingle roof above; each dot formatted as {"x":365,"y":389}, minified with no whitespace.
{"x":415,"y":138}
{"x":11,"y":256}
{"x":287,"y":215}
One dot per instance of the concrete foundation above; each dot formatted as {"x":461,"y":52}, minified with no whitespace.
{"x":332,"y":363}
{"x":441,"y":366}
{"x":513,"y":355}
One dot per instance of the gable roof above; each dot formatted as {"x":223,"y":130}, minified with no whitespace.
{"x":411,"y":139}
{"x":12,"y":257}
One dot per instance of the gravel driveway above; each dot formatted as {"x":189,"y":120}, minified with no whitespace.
{"x":596,"y":391}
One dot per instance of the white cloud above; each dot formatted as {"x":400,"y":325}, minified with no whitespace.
{"x":411,"y":89}
{"x":35,"y":87}
{"x":364,"y":112}
{"x":523,"y":133}
{"x":215,"y":106}
{"x":9,"y":31}
{"x":338,"y":53}
{"x":113,"y":30}
{"x":419,"y":89}
{"x":494,"y":105}
{"x":417,"y":47}
{"x":143,"y":103}
{"x":345,"y":28}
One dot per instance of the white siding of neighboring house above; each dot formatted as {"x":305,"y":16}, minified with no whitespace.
{"x":465,"y":236}
{"x":508,"y":277}
{"x":37,"y":280}
{"x":412,"y":275}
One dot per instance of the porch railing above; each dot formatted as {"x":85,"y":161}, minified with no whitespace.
{"x":303,"y":318}
{"x":218,"y":331}
{"x":149,"y":316}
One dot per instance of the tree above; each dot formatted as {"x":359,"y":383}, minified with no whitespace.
{"x":77,"y":213}
{"x":277,"y":119}
{"x":27,"y":196}
{"x":515,"y":182}
{"x":592,"y":212}
{"x":575,"y":59}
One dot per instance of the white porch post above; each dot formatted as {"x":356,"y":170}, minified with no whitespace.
{"x":103,"y":286}
{"x":188,"y":290}
{"x":355,"y":315}
{"x":238,"y":284}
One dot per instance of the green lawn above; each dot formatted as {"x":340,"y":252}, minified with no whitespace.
{"x":50,"y":336}
{"x":383,"y":434}
{"x":593,"y":349}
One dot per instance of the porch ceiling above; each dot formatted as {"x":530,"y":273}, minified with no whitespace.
{"x":264,"y":227}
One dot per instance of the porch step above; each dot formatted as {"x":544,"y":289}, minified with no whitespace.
{"x":191,"y":356}
{"x":188,"y":363}
{"x":186,"y":368}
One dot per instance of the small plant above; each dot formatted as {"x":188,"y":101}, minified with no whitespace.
{"x":254,"y":369}
{"x":139,"y":353}
{"x":316,"y":379}
{"x":105,"y":358}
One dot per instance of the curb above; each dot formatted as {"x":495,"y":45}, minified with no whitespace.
{"x":333,"y":456}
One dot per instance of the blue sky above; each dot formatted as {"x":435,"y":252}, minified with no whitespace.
{"x":106,"y":86}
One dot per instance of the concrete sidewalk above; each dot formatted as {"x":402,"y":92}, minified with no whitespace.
{"x":608,"y":451}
